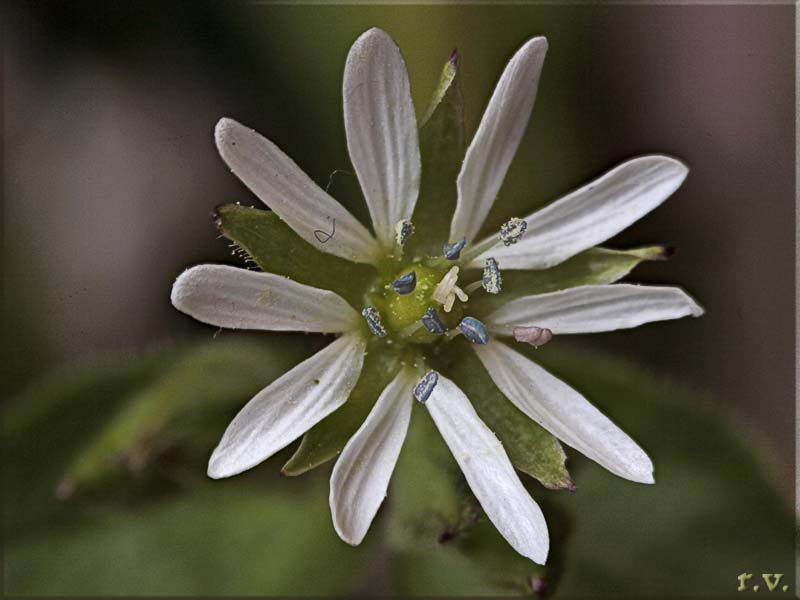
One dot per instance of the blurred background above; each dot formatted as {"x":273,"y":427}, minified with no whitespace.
{"x":111,"y":176}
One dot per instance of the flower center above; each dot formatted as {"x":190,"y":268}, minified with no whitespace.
{"x":402,"y":313}
{"x":419,"y":303}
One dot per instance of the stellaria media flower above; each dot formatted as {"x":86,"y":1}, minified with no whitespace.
{"x":414,"y":305}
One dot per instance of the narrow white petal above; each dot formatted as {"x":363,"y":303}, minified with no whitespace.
{"x":489,"y":472}
{"x":593,"y":308}
{"x":381,"y":129}
{"x":289,"y":406}
{"x":591,"y":214}
{"x":286,"y":189}
{"x":564,"y":412}
{"x":236,"y":298}
{"x":497,"y":139}
{"x":361,"y":475}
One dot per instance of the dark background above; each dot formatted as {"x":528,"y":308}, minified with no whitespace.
{"x":111,"y":174}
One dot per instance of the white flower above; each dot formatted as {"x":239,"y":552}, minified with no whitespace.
{"x":381,"y":132}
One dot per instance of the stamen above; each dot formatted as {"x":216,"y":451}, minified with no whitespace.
{"x":447,"y":290}
{"x":432,"y":322}
{"x":492,"y":280}
{"x":373,"y":318}
{"x":535,"y":336}
{"x":453,"y":251}
{"x":411,"y":329}
{"x":405,"y":284}
{"x":425,"y":387}
{"x":403,"y":230}
{"x":475,"y":285}
{"x":474,"y":330}
{"x":511,"y":231}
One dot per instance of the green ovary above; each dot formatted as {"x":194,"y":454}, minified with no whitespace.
{"x":400,"y":312}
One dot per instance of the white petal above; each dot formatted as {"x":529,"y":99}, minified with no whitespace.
{"x":593,"y":308}
{"x":286,"y":189}
{"x":592,"y":214}
{"x":236,"y":298}
{"x":381,"y":129}
{"x":361,"y":475}
{"x":564,"y":412}
{"x":497,"y":139}
{"x":489,"y":472}
{"x":289,"y":406}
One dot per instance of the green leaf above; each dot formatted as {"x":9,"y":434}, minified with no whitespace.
{"x":441,"y":140}
{"x":328,"y":437}
{"x":276,"y":248}
{"x":531,"y":449}
{"x":221,"y":539}
{"x":440,"y":572}
{"x":46,"y":424}
{"x":190,"y":403}
{"x":714,"y":511}
{"x":595,"y":266}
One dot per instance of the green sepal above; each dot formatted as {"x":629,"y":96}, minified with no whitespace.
{"x":531,"y":449}
{"x":441,"y":140}
{"x":327,"y":438}
{"x":596,"y":266}
{"x":275,"y":247}
{"x":187,"y":404}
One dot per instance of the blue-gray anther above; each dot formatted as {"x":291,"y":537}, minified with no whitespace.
{"x":511,"y":231}
{"x":453,"y":251}
{"x":373,"y":318}
{"x":405,"y":284}
{"x":432,"y":322}
{"x":492,"y":280}
{"x":474,"y":330}
{"x":424,"y":388}
{"x":402,"y":231}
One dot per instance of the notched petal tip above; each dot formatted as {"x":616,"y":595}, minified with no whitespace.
{"x":680,"y":168}
{"x":216,"y":468}
{"x":182,"y":288}
{"x":538,"y":43}
{"x":374,"y":31}
{"x":695,"y":310}
{"x":372,"y":36}
{"x":224,"y":127}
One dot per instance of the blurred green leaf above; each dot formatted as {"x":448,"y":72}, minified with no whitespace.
{"x":429,"y":499}
{"x":713,"y":512}
{"x":592,"y":267}
{"x":441,"y":140}
{"x":274,"y":247}
{"x":190,"y":404}
{"x":531,"y":449}
{"x":222,"y":539}
{"x":328,"y":437}
{"x":440,"y":571}
{"x":45,"y":425}
{"x":81,"y":421}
